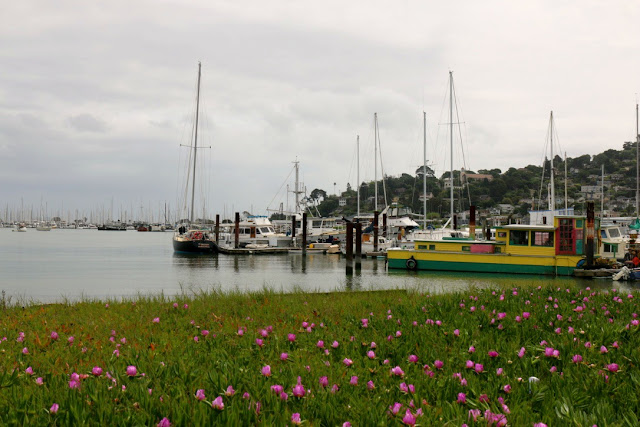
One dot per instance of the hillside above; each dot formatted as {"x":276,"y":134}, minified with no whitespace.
{"x":512,"y":192}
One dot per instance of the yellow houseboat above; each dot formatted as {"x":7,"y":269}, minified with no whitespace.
{"x":556,"y":249}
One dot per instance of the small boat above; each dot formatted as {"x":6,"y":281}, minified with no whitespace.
{"x":20,"y":228}
{"x":317,"y":248}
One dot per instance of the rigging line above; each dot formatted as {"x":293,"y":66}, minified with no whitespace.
{"x":279,"y":189}
{"x":464,"y":159}
{"x":384,"y":185}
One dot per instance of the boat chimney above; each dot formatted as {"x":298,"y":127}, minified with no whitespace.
{"x":472,"y":222}
{"x":590,"y":232}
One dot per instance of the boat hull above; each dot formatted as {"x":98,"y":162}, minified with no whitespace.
{"x":483,"y":263}
{"x":195,"y":246}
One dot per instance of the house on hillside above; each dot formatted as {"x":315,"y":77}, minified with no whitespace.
{"x":465,"y":177}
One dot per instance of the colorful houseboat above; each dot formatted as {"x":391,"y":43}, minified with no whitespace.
{"x":556,"y":249}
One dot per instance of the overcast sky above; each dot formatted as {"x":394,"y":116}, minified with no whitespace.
{"x":96,"y":97}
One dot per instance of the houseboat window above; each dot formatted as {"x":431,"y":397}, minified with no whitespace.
{"x":318,"y":223}
{"x":543,"y":238}
{"x":422,"y":246}
{"x":614,"y":232}
{"x":603,"y":234}
{"x":497,"y":250}
{"x":432,"y":247}
{"x":566,"y":236}
{"x":265,"y":230}
{"x":502,"y":234}
{"x":519,"y":237}
{"x":466,"y":249}
{"x":610,"y":248}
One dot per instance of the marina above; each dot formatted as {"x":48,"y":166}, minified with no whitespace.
{"x":71,"y":265}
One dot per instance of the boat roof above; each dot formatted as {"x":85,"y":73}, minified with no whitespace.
{"x":527,"y":227}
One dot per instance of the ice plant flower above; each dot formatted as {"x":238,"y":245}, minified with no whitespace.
{"x":54,"y":335}
{"x":39,"y":381}
{"x":409,"y":419}
{"x":397,"y":371}
{"x":266,"y":371}
{"x":291,"y":337}
{"x":371,"y":354}
{"x":613,"y":367}
{"x":493,"y":353}
{"x":29,"y":371}
{"x":365,"y":323}
{"x":469,"y":364}
{"x":521,"y":352}
{"x":507,"y":388}
{"x":413,"y":358}
{"x":438,"y":364}
{"x":298,"y":389}
{"x":54,"y":408}
{"x":320,"y":344}
{"x":347,"y":362}
{"x":164,"y":422}
{"x":478,"y":368}
{"x":395,"y":408}
{"x":295,"y":419}
{"x":200,"y":394}
{"x":132,"y":371}
{"x":97,"y":371}
{"x":576,"y":358}
{"x":324,"y":381}
{"x":156,"y":320}
{"x":354,"y":380}
{"x":370,"y":385}
{"x":284,"y":356}
{"x":462,"y":398}
{"x":335,"y":344}
{"x":217,"y":403}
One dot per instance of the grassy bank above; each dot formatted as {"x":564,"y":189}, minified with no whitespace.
{"x":522,"y":356}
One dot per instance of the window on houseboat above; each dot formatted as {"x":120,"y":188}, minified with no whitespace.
{"x":502,"y":234}
{"x":519,"y":237}
{"x":603,"y":234}
{"x":543,"y":238}
{"x":265,"y":230}
{"x":614,"y":232}
{"x":610,"y":248}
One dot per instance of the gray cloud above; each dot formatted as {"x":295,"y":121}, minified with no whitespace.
{"x":87,"y":123}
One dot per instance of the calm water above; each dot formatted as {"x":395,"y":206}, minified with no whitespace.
{"x":73,"y":264}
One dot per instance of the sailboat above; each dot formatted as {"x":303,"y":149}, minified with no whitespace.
{"x":190,"y":238}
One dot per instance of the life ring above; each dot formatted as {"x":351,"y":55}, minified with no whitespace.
{"x":412,"y":264}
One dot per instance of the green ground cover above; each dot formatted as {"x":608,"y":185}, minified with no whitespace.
{"x":481,"y":357}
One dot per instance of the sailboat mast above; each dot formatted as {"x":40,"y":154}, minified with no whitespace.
{"x":195,"y":148}
{"x":552,"y":201}
{"x":566,"y":209}
{"x":451,"y":142}
{"x":424,"y":171}
{"x":375,"y":159}
{"x":637,"y":165}
{"x":358,"y":171}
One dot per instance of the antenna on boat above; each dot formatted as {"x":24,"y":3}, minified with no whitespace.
{"x":424,"y":171}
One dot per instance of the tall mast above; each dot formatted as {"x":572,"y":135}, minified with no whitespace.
{"x":297,"y":190}
{"x":424,"y":171}
{"x":637,"y":164}
{"x":375,"y":159}
{"x":566,"y":212}
{"x":602,"y":193}
{"x":195,"y":147}
{"x":451,"y":141}
{"x":552,"y":201}
{"x":358,"y":171}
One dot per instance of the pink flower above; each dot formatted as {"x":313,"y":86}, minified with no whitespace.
{"x":397,"y":371}
{"x":521,"y":352}
{"x":507,"y":388}
{"x":613,"y":367}
{"x":54,"y":408}
{"x":469,"y":364}
{"x":409,"y":419}
{"x":266,"y":371}
{"x":472,"y":349}
{"x":347,"y":362}
{"x":164,"y":422}
{"x":230,"y":391}
{"x":365,"y":323}
{"x":499,"y":371}
{"x":132,"y":371}
{"x":478,"y":368}
{"x":200,"y":394}
{"x":298,"y":389}
{"x":29,"y":371}
{"x":456,"y":332}
{"x":25,"y":350}
{"x":354,"y":380}
{"x":335,"y":344}
{"x":320,"y":344}
{"x":240,"y":332}
{"x":295,"y":419}
{"x":370,"y":385}
{"x":156,"y":320}
{"x":324,"y":381}
{"x":413,"y":358}
{"x":284,"y":356}
{"x":39,"y":381}
{"x":438,"y":364}
{"x":277,"y":389}
{"x":205,"y":332}
{"x":603,"y":349}
{"x":217,"y":403}
{"x":493,"y":353}
{"x":97,"y":371}
{"x":395,"y":408}
{"x":576,"y":358}
{"x":371,"y":354}
{"x":291,"y":337}
{"x":474,"y":414}
{"x":526,"y":315}
{"x":74,"y":384}
{"x":462,"y":398}
{"x":54,"y":335}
